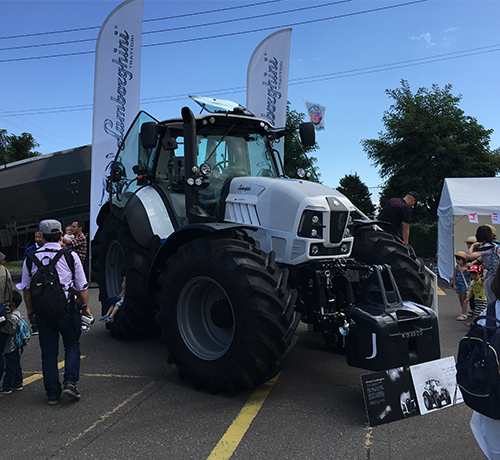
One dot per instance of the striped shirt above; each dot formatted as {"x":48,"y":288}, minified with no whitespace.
{"x":79,"y":245}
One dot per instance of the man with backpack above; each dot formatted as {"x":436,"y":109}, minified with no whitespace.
{"x":50,"y":276}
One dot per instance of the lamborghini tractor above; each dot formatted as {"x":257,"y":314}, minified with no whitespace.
{"x":224,"y":255}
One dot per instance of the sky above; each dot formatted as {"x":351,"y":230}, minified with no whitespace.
{"x":344,"y":55}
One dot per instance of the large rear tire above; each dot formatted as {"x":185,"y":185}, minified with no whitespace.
{"x":377,"y":248}
{"x":118,"y":251}
{"x":227,"y":313}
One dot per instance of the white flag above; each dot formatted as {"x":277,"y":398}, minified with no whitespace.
{"x":116,"y":93}
{"x":473,"y":218}
{"x":267,"y":79}
{"x":317,"y":115}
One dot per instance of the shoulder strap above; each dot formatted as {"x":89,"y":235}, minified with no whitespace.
{"x":68,"y":255}
{"x":30,"y":256}
{"x":59,"y":253}
{"x":463,"y":277}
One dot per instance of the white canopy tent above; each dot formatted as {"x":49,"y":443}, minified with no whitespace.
{"x":459,"y":198}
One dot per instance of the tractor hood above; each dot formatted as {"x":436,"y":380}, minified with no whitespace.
{"x":281,"y":208}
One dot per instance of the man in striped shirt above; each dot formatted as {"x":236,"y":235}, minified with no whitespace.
{"x":79,"y":242}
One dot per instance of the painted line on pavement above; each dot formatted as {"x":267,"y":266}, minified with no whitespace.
{"x":440,"y":291}
{"x":234,"y":434}
{"x":38,"y":375}
{"x":106,"y":416}
{"x":119,"y":376}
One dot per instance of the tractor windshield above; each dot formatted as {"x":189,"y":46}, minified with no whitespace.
{"x":231,"y":153}
{"x":235,"y":154}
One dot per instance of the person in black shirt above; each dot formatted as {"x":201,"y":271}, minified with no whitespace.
{"x":397,"y":211}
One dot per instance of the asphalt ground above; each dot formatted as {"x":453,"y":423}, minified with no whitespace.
{"x":134,"y":406}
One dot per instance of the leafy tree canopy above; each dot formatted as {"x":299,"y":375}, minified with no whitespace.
{"x":296,"y":155}
{"x":353,"y":188}
{"x":428,"y":138}
{"x":15,"y":148}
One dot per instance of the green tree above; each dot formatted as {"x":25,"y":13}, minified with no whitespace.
{"x":15,"y":148}
{"x":427,"y":138}
{"x":296,"y":155}
{"x":353,"y":188}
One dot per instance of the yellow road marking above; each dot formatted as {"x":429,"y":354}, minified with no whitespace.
{"x":117,"y":376}
{"x":234,"y":434}
{"x":440,"y":291}
{"x":38,"y":375}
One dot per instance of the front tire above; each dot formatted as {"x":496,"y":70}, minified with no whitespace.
{"x":118,"y":252}
{"x":377,"y":248}
{"x":227,"y":313}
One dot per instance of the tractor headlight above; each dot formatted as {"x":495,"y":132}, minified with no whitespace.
{"x":205,"y":169}
{"x":311,"y":225}
{"x":303,"y":174}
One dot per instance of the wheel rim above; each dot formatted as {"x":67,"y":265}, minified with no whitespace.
{"x":115,"y":263}
{"x":205,"y":318}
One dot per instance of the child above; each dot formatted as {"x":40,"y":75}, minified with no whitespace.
{"x":461,"y":282}
{"x":477,"y":291}
{"x":13,"y":377}
{"x":69,"y":234}
{"x":116,"y":303}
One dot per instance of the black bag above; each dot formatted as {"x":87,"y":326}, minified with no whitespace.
{"x":47,"y":295}
{"x":478,"y":368}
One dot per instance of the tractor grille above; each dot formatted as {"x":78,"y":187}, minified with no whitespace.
{"x":338,"y":220}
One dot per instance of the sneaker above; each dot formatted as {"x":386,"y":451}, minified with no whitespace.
{"x":52,"y":402}
{"x":71,"y":391}
{"x":34,"y":332}
{"x":4,"y":391}
{"x":18,"y":387}
{"x":108,"y":319}
{"x":104,"y":318}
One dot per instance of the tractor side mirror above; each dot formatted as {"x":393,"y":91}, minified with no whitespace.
{"x":149,"y":135}
{"x":307,"y":134}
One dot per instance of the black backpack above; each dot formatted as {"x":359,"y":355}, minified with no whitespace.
{"x":47,"y":295}
{"x":478,"y":369}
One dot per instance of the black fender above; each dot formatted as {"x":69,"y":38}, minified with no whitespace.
{"x":137,"y":218}
{"x":182,"y":236}
{"x":103,"y":213}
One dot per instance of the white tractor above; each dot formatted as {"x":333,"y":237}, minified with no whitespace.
{"x":224,"y":255}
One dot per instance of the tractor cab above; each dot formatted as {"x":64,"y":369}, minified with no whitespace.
{"x":192,"y":160}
